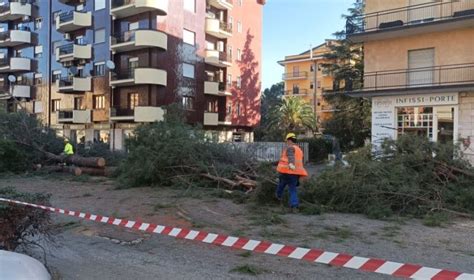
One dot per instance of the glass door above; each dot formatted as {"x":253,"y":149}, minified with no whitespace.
{"x":444,"y":123}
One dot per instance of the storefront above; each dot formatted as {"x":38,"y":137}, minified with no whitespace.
{"x":435,"y":116}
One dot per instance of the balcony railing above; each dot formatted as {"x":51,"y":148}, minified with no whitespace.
{"x":66,"y":81}
{"x":66,"y":49}
{"x":410,"y":15}
{"x":119,"y":3}
{"x":225,"y":26}
{"x":296,"y":91}
{"x":128,"y":36}
{"x":294,"y":75}
{"x":123,"y":74}
{"x":65,"y":114}
{"x":446,"y":75}
{"x":121,"y":112}
{"x":66,"y":16}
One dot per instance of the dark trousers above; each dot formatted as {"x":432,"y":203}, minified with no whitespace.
{"x":292,"y":182}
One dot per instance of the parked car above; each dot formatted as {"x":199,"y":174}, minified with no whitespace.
{"x":14,"y":266}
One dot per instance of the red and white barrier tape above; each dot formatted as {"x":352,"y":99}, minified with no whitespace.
{"x":404,"y":270}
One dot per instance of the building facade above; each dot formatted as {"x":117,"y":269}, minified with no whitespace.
{"x":419,"y":68}
{"x":304,"y":77}
{"x":95,"y":69}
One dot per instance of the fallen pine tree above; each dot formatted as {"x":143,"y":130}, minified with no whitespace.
{"x":410,"y":177}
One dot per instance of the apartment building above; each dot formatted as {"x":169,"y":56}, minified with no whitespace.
{"x":419,"y":68}
{"x":305,"y":78}
{"x":95,"y":69}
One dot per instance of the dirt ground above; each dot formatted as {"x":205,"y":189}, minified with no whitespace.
{"x":87,"y":250}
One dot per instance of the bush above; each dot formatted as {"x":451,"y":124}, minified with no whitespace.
{"x":319,"y":148}
{"x":12,"y":158}
{"x":20,"y":225}
{"x":410,"y":176}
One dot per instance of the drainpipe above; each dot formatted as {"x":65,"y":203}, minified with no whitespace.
{"x":50,"y":8}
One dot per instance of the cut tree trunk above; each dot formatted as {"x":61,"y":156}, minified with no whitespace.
{"x":78,"y":160}
{"x":107,"y":172}
{"x":76,"y":171}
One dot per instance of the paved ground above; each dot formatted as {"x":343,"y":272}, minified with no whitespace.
{"x":86,"y":250}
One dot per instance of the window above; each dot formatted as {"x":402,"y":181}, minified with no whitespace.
{"x":38,"y":51}
{"x":99,"y":68}
{"x":311,"y":68}
{"x":188,"y":102}
{"x":56,"y":75}
{"x":229,"y":51}
{"x":229,"y":108}
{"x":231,"y":22}
{"x":38,"y":78}
{"x":99,"y":5}
{"x":239,"y":55}
{"x":212,"y":106}
{"x":319,"y":84}
{"x":238,"y":109}
{"x":133,"y":100}
{"x":99,"y":36}
{"x":189,"y":37}
{"x":311,"y":85}
{"x":239,"y":26}
{"x":99,"y":102}
{"x":190,"y":5}
{"x":296,"y":89}
{"x":240,"y":2}
{"x":55,"y":105}
{"x":78,"y":102}
{"x":239,"y":82}
{"x":229,"y":79}
{"x":188,"y":70}
{"x":38,"y":23}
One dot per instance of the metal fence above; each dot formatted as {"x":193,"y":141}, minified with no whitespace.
{"x":268,"y":151}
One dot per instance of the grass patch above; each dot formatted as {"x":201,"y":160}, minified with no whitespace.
{"x":159,"y":206}
{"x":248,"y":269}
{"x":267,"y":219}
{"x":391,"y":231}
{"x":245,"y":254}
{"x":435,"y":220}
{"x":340,"y":233}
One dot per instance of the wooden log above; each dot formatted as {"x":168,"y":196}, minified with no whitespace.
{"x":78,"y":160}
{"x":76,"y":171}
{"x":107,"y":172}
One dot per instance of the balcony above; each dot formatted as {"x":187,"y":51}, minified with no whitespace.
{"x":222,"y":4}
{"x":72,"y":21}
{"x":295,"y":75}
{"x":218,"y":59}
{"x":217,"y":28}
{"x":75,"y":116}
{"x":15,"y":11}
{"x":16,"y":64}
{"x":214,"y":87}
{"x":296,"y":92}
{"x":211,"y":118}
{"x":19,"y":90}
{"x":14,"y":38}
{"x":138,"y":114}
{"x":125,"y":8}
{"x":227,"y":121}
{"x":411,"y":20}
{"x":74,"y":84}
{"x":72,"y":52}
{"x":139,"y":76}
{"x":139,"y":39}
{"x":455,"y":77}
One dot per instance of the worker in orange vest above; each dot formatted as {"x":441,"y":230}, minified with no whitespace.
{"x":290,"y":167}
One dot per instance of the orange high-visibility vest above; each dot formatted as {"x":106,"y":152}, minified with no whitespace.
{"x":283,"y":164}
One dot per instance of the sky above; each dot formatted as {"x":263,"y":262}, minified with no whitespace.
{"x":291,"y":26}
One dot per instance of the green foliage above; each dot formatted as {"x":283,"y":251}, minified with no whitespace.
{"x":248,"y":269}
{"x":12,"y":159}
{"x":20,"y":225}
{"x":293,"y":114}
{"x":29,"y":137}
{"x":409,"y":177}
{"x":271,"y":98}
{"x":319,"y":148}
{"x":172,"y":153}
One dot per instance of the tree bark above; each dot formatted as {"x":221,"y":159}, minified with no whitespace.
{"x":78,"y":160}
